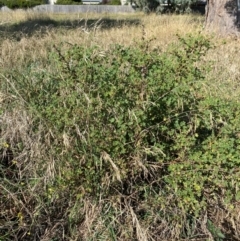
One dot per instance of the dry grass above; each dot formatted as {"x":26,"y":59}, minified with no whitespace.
{"x":225,"y":75}
{"x":33,"y":36}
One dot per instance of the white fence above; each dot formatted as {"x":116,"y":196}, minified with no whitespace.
{"x":47,"y":8}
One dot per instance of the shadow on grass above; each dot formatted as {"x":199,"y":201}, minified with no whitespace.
{"x":42,"y":26}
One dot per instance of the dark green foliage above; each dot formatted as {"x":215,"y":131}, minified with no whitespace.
{"x":165,"y":6}
{"x":68,"y":2}
{"x":13,"y":4}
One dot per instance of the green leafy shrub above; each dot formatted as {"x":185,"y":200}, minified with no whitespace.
{"x":115,"y":2}
{"x":123,"y":101}
{"x":13,"y":4}
{"x":134,"y":126}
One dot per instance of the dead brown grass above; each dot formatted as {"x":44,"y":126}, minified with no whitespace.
{"x":225,"y":75}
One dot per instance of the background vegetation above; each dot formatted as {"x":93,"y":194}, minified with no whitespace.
{"x":14,"y":4}
{"x":68,"y":2}
{"x":117,"y":128}
{"x":166,"y":6}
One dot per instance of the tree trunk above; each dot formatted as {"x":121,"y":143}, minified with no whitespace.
{"x":221,"y":16}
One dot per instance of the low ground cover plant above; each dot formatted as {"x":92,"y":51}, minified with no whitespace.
{"x":127,"y":143}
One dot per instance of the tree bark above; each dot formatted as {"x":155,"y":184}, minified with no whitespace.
{"x":221,"y":16}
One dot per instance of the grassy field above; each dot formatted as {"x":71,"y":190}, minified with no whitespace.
{"x":118,"y":127}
